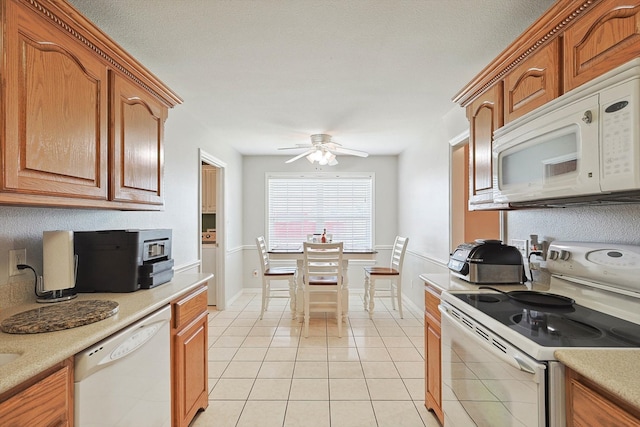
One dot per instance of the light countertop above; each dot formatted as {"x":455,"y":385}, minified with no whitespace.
{"x":616,"y":370}
{"x":41,"y":351}
{"x":444,"y":281}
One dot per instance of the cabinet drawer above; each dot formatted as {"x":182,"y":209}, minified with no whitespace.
{"x":47,"y":402}
{"x":189,"y":307}
{"x":588,"y":407}
{"x":431,"y":303}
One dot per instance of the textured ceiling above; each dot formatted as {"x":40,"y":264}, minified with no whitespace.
{"x":262,"y":74}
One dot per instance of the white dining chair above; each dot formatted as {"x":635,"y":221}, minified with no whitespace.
{"x":322,"y":273}
{"x":393,"y":274}
{"x":275,"y":274}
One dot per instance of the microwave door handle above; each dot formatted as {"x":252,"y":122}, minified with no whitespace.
{"x":514,"y":360}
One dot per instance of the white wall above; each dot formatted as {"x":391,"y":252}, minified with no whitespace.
{"x":611,"y":224}
{"x":423,"y":198}
{"x":255,"y":169}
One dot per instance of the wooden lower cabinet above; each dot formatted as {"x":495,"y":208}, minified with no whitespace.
{"x":588,"y":405}
{"x":433,"y":365}
{"x":189,"y":356}
{"x":45,"y":400}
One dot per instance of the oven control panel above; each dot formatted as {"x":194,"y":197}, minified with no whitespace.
{"x":610,"y":264}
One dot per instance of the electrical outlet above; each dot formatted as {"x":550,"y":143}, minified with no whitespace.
{"x":522,"y":246}
{"x":17,"y":256}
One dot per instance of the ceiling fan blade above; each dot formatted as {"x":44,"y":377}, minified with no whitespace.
{"x":299,"y":156}
{"x":350,"y":152}
{"x":296,"y":147}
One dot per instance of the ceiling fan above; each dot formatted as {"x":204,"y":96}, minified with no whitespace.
{"x":322,"y":150}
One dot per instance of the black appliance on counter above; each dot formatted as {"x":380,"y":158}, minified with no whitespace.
{"x":122,"y":260}
{"x":487,"y":261}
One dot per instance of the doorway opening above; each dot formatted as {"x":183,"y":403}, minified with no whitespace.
{"x":211,"y":226}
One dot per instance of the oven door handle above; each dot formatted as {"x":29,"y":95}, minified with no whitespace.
{"x":512,"y":357}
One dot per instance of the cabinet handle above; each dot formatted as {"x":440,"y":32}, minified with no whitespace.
{"x":587,"y":117}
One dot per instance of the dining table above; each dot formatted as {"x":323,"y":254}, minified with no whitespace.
{"x":296,"y":253}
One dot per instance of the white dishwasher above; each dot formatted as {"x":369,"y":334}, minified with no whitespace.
{"x":125,"y":379}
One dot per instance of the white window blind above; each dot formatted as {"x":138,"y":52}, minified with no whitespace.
{"x":298,"y":206}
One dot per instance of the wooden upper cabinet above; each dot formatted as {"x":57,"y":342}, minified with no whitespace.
{"x":138,"y":127}
{"x":55,"y":139}
{"x":485,"y":116}
{"x":81,"y":121}
{"x":606,"y":37}
{"x":533,"y":82}
{"x":209,"y":175}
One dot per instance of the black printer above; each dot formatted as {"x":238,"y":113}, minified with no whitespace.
{"x":122,"y":260}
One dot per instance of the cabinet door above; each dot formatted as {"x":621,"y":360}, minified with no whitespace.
{"x":55,"y":136}
{"x":136,"y":144}
{"x":189,"y":355}
{"x":433,"y":365}
{"x":48,"y":402}
{"x":532,"y":83}
{"x":485,"y":116}
{"x":190,"y":370}
{"x":209,"y":175}
{"x":606,"y":37}
{"x":434,"y":380}
{"x":588,"y":407}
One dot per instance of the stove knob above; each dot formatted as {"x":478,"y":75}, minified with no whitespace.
{"x":565,"y":255}
{"x":553,"y":254}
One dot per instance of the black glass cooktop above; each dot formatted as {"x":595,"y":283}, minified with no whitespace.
{"x":572,"y":326}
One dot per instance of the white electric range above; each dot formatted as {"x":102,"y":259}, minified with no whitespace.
{"x":498,"y":363}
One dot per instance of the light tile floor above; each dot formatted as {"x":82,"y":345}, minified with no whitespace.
{"x":265,"y":373}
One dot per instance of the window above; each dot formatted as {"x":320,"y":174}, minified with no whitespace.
{"x":301,"y":205}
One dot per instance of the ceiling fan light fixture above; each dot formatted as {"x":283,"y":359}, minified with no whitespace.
{"x":316,"y":156}
{"x":323,"y":150}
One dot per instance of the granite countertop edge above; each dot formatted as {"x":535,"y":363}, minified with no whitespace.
{"x":39,"y":352}
{"x":615,"y":370}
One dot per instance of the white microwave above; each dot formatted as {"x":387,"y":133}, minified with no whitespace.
{"x":581,"y":147}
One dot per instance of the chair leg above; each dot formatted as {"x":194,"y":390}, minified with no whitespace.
{"x":372,"y":291}
{"x":339,"y":316}
{"x":264,"y":297}
{"x":366,"y":291}
{"x":399,"y":295}
{"x":339,"y":312}
{"x":292,"y":297}
{"x":392,"y":287}
{"x":306,"y":313}
{"x":267,"y":297}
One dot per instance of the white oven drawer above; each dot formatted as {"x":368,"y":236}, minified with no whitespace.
{"x":485,"y":380}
